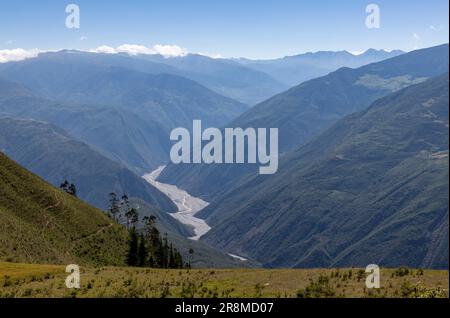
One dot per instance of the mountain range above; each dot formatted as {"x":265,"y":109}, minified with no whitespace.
{"x":371,"y":189}
{"x":363,"y":171}
{"x":293,"y":70}
{"x":128,"y":115}
{"x":244,"y":80}
{"x":304,"y":111}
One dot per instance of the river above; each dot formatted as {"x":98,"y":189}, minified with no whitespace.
{"x":187,"y":204}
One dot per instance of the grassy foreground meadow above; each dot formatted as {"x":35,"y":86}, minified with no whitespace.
{"x":31,"y":280}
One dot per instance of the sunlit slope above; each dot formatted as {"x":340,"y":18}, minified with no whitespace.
{"x":41,"y":224}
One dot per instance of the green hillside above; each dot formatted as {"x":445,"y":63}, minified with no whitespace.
{"x":371,"y":189}
{"x":41,"y":224}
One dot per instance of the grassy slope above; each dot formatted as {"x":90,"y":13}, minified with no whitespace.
{"x":25,"y":280}
{"x":41,"y":224}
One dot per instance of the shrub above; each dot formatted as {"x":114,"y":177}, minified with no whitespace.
{"x":402,"y":271}
{"x":317,"y":289}
{"x":409,"y":290}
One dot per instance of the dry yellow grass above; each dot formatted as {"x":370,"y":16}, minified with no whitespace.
{"x":17,"y":271}
{"x":30,"y":280}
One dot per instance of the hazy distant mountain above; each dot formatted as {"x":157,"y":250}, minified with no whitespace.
{"x":227,"y":77}
{"x":371,"y":189}
{"x":248,"y":81}
{"x":293,"y":70}
{"x":53,"y":74}
{"x":126,"y":114}
{"x":307,"y":109}
{"x":55,"y":156}
{"x":165,"y":100}
{"x":121,"y":135}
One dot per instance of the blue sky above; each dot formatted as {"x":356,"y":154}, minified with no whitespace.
{"x":231,"y":28}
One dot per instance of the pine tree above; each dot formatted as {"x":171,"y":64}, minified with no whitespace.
{"x":165,"y":252}
{"x":191,"y":253}
{"x":142,"y":251}
{"x":132,"y":257}
{"x":171,"y":257}
{"x":178,"y":259}
{"x":159,"y":252}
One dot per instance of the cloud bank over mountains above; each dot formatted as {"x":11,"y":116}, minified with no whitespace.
{"x":135,"y":49}
{"x":17,"y":55}
{"x":167,"y":51}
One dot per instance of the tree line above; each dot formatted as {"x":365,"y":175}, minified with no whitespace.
{"x":146,"y":247}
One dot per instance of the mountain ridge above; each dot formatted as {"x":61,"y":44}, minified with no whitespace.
{"x":304,"y":111}
{"x":359,"y":193}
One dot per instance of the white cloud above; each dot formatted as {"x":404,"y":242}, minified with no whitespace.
{"x":357,"y":52}
{"x":416,"y":36}
{"x":104,"y":49}
{"x":213,"y":56}
{"x":83,"y":38}
{"x":170,"y":50}
{"x":17,"y":55}
{"x":135,"y":49}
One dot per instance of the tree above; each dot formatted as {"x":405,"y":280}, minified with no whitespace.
{"x":72,"y":190}
{"x":191,"y":253}
{"x":158,"y":252}
{"x":165,"y":252}
{"x":69,"y":188}
{"x":132,"y":217}
{"x":171,"y":257}
{"x":142,"y":251}
{"x":178,"y":259}
{"x":64,"y":186}
{"x":125,"y":202}
{"x":114,"y":209}
{"x":132,"y":257}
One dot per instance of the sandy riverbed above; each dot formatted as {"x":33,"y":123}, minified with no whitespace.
{"x":187,"y":204}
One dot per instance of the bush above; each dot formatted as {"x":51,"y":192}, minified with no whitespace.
{"x":317,"y":289}
{"x":402,"y":271}
{"x":409,"y":290}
